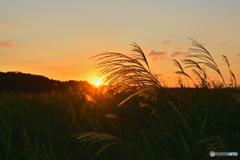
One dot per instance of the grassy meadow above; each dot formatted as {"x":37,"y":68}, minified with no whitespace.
{"x":133,"y":117}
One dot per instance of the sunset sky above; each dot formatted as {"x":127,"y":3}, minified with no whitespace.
{"x":56,"y":38}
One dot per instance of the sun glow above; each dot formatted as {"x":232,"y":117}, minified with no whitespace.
{"x":97,"y":83}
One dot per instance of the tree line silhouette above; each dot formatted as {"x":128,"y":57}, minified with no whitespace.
{"x":18,"y":82}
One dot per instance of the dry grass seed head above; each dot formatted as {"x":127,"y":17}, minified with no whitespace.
{"x":123,"y":72}
{"x":201,"y":53}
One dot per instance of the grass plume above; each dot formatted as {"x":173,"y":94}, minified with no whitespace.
{"x":125,"y":72}
{"x":201,"y":53}
{"x":94,"y":137}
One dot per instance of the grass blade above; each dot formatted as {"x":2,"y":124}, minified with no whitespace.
{"x":182,"y":118}
{"x":185,"y":144}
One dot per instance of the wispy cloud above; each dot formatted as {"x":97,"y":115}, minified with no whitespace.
{"x":179,"y":48}
{"x":170,"y":34}
{"x":224,"y":44}
{"x":165,"y":42}
{"x":175,"y":54}
{"x":6,"y":44}
{"x":157,"y":55}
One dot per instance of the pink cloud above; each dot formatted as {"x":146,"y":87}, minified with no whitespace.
{"x":157,"y":55}
{"x":165,"y":42}
{"x":224,"y":44}
{"x":170,"y":35}
{"x":175,"y":54}
{"x":5,"y":44}
{"x":238,"y":54}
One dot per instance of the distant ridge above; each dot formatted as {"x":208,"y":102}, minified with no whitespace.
{"x":18,"y":81}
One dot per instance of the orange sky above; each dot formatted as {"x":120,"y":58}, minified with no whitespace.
{"x":57,"y":38}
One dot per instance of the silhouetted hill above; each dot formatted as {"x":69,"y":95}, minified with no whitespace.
{"x":18,"y":81}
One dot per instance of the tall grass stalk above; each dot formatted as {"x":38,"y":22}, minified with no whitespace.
{"x":232,"y":76}
{"x":133,"y":73}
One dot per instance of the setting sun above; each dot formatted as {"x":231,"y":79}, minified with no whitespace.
{"x":97,"y":83}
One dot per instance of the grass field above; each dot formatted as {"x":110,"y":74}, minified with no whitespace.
{"x":41,"y":126}
{"x":134,"y":117}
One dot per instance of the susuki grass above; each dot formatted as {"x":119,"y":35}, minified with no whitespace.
{"x":200,"y":53}
{"x":124,"y":72}
{"x":133,"y":117}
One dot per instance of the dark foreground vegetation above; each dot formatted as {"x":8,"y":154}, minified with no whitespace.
{"x":41,"y":126}
{"x":134,"y":117}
